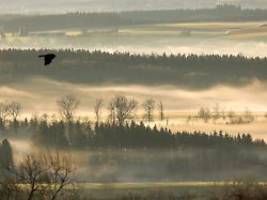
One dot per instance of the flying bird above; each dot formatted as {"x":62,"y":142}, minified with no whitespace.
{"x":48,"y":58}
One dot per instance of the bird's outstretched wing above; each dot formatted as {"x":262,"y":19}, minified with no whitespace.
{"x":48,"y":58}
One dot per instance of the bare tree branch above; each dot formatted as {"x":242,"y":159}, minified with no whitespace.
{"x":67,"y":106}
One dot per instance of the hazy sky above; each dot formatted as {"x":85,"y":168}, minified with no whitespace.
{"x":46,"y":6}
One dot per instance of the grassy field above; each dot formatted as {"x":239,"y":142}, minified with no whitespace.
{"x":154,"y":185}
{"x":207,"y":26}
{"x":160,"y":191}
{"x":247,"y":30}
{"x":249,"y":39}
{"x":167,"y":190}
{"x":115,"y":190}
{"x":232,"y":30}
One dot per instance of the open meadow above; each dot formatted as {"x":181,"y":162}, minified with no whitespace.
{"x":246,"y":38}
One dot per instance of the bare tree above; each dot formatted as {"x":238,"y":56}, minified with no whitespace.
{"x":204,"y":113}
{"x":149,"y":107}
{"x":58,"y":174}
{"x":188,"y":119}
{"x":231,"y":115}
{"x":161,"y":111}
{"x":248,"y":116}
{"x":14,"y":109}
{"x":45,"y":175}
{"x":67,"y":107}
{"x":124,"y":108}
{"x":223,"y":114}
{"x":216,"y":113}
{"x":4,"y":111}
{"x":31,"y":172}
{"x":98,"y":106}
{"x":112,"y":114}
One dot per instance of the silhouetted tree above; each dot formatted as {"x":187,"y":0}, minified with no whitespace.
{"x":161,"y":111}
{"x":216,"y":112}
{"x":149,"y":107}
{"x":4,"y":111}
{"x":67,"y":107}
{"x":6,"y":156}
{"x":231,"y":115}
{"x":46,"y":175}
{"x":124,"y":108}
{"x":248,"y":116}
{"x":204,"y":113}
{"x":112,"y":113}
{"x":97,"y":108}
{"x":14,"y":109}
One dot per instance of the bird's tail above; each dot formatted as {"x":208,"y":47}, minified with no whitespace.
{"x":41,"y":56}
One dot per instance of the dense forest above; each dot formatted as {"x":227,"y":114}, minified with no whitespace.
{"x":12,"y":23}
{"x":100,"y":68}
{"x":82,"y":135}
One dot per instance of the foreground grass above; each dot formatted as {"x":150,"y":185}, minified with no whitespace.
{"x":147,"y":185}
{"x":235,"y":190}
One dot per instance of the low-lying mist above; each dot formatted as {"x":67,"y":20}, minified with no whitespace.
{"x":39,"y":96}
{"x":147,"y":43}
{"x":129,"y":165}
{"x":31,"y":93}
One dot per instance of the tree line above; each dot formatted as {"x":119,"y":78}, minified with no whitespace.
{"x":216,"y":114}
{"x":108,"y":19}
{"x":96,"y":67}
{"x":134,"y":136}
{"x":120,"y":130}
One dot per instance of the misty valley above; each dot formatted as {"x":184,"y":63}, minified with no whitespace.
{"x":137,"y":103}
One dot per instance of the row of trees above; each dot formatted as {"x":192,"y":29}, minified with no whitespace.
{"x":216,"y":113}
{"x":133,"y":135}
{"x":99,"y":20}
{"x":120,"y":109}
{"x":123,"y":68}
{"x":121,"y":131}
{"x":9,"y":110}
